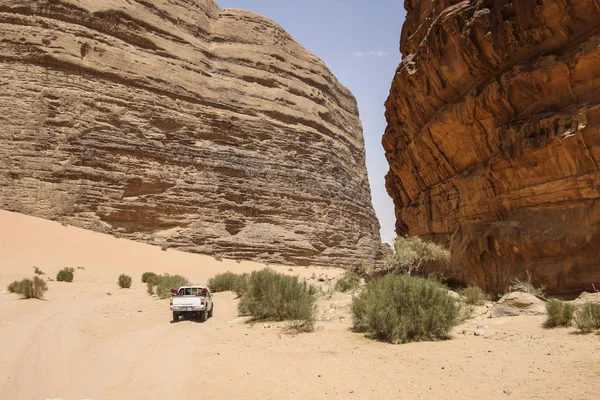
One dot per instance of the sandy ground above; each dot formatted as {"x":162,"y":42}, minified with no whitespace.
{"x":81,"y":343}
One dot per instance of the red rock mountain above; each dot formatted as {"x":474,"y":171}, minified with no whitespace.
{"x":493,"y":138}
{"x":184,"y":125}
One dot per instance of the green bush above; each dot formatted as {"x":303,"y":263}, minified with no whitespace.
{"x":410,"y":254}
{"x":124,"y":281}
{"x":473,"y":295}
{"x":33,"y":289}
{"x":29,"y":288}
{"x":147,"y":275}
{"x":38,"y":271}
{"x":167,"y":282}
{"x":401,"y":308}
{"x":347,"y":282}
{"x":14,"y":287}
{"x":150,"y":287}
{"x":559,"y":313}
{"x":237,"y":283}
{"x":65,"y":275}
{"x":587,"y":318}
{"x":277,"y":297}
{"x":151,"y":282}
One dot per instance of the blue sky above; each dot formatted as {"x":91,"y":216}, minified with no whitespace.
{"x":359,"y":41}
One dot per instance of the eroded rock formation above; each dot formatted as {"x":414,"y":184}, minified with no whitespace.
{"x":493,"y":138}
{"x":181,"y":124}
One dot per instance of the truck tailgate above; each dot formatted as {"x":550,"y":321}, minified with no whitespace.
{"x":187,"y":301}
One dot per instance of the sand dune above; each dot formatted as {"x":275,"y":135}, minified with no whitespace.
{"x":81,"y":343}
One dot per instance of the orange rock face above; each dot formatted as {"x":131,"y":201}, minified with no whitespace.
{"x":184,"y":125}
{"x":493,"y":138}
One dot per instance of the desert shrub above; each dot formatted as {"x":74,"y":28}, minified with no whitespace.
{"x":365,"y":268}
{"x":150,"y":287}
{"x":587,"y":318}
{"x":38,"y":271}
{"x":65,"y":275}
{"x":14,"y":287}
{"x":473,"y":295}
{"x":167,"y":282}
{"x":151,"y":282}
{"x":296,"y":327}
{"x":411,"y":253}
{"x":124,"y":281}
{"x":349,"y":281}
{"x":33,"y":289}
{"x":559,"y":313}
{"x":237,"y":283}
{"x":278,"y":297}
{"x":401,"y":308}
{"x":527,"y":287}
{"x":29,"y":288}
{"x":147,"y":275}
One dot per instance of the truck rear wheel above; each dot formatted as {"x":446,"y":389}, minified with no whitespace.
{"x":175,"y":316}
{"x":203,"y":315}
{"x":210,"y":313}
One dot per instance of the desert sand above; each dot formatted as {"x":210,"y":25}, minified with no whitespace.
{"x":82,"y":343}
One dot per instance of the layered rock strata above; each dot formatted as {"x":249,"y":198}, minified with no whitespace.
{"x":493,"y":138}
{"x":184,"y":125}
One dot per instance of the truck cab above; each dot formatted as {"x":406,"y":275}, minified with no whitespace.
{"x":192,"y":301}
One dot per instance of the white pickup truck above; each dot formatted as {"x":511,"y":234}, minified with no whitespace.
{"x":192,"y":300}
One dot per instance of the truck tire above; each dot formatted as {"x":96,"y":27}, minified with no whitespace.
{"x":203,"y":315}
{"x":210,"y":313}
{"x":175,"y":316}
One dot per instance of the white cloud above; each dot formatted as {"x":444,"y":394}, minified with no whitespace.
{"x":377,"y":53}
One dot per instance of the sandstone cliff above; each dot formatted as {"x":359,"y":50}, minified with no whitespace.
{"x":493,"y":138}
{"x":184,"y":125}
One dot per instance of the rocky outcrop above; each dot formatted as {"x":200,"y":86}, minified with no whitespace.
{"x":518,"y":303}
{"x":184,"y":125}
{"x":493,"y":138}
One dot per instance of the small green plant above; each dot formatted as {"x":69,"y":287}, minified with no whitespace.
{"x":29,"y":288}
{"x":124,"y":281}
{"x":237,"y":283}
{"x":147,"y":275}
{"x":38,"y":271}
{"x":65,"y":275}
{"x":167,"y":282}
{"x":527,"y":287}
{"x":347,"y":282}
{"x":559,"y":313}
{"x":587,"y":318}
{"x":402,"y":308}
{"x":473,"y":295}
{"x":277,"y":297}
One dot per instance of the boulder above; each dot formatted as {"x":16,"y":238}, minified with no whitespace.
{"x":586,"y":298}
{"x":518,"y":303}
